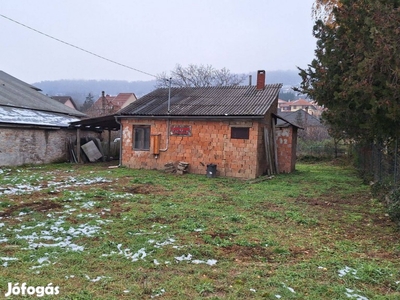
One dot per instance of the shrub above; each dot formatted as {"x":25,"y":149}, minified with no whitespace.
{"x":393,"y":202}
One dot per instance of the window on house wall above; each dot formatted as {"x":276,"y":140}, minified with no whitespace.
{"x":141,"y":137}
{"x":240,"y":133}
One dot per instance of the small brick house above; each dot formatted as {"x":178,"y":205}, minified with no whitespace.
{"x":230,"y":127}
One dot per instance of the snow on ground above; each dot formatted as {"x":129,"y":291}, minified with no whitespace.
{"x":57,"y":232}
{"x":27,"y":188}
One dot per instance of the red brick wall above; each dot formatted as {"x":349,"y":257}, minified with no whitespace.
{"x":286,"y":139}
{"x":210,"y":142}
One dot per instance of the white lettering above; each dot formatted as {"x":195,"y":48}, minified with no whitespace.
{"x":40,"y":291}
{"x":31,"y":290}
{"x":49,"y":289}
{"x":16,"y":290}
{"x":8,"y":294}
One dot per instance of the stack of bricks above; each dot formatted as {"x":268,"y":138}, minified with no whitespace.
{"x":182,"y":168}
{"x":169,"y":168}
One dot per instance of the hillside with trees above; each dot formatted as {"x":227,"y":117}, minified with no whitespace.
{"x":80,"y":89}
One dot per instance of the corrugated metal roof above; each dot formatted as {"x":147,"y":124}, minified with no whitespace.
{"x":205,"y":101}
{"x":16,"y":93}
{"x":299,"y":116}
{"x":25,"y":116}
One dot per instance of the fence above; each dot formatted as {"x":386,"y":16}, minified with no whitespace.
{"x":378,"y":162}
{"x":325,"y":149}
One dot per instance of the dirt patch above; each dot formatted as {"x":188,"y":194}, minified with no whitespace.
{"x":247,"y":253}
{"x":334,"y":200}
{"x":161,"y":220}
{"x":221,"y":235}
{"x":144,"y":189}
{"x":41,"y":206}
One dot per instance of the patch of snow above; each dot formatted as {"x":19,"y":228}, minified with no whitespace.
{"x":188,"y":257}
{"x":289,"y":288}
{"x":57,"y":233}
{"x":184,"y":258}
{"x":350,"y":294}
{"x":8,"y":258}
{"x":88,"y":205}
{"x":71,"y":181}
{"x":162,"y":291}
{"x":98,"y":278}
{"x":140,"y":254}
{"x":347,"y":270}
{"x":168,"y":241}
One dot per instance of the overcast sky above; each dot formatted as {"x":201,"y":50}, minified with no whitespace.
{"x":152,"y":36}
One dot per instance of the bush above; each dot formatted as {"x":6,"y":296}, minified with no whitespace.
{"x":393,"y":203}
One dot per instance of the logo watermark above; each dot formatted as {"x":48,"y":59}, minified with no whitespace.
{"x":25,"y":290}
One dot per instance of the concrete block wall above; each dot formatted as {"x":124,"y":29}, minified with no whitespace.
{"x":19,"y":146}
{"x":210,"y":143}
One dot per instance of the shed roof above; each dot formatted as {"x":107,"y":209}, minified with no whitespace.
{"x":16,"y":93}
{"x":299,"y":116}
{"x":205,"y":101}
{"x":64,"y":99}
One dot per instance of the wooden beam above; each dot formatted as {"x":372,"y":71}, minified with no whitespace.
{"x":78,"y":145}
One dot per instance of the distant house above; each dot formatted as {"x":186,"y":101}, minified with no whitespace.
{"x":231,"y":128}
{"x":33,"y":127}
{"x":66,"y":100}
{"x":107,"y":104}
{"x":313,"y":128}
{"x":309,"y":106}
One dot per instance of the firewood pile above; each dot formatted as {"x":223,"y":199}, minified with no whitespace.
{"x":181,"y":169}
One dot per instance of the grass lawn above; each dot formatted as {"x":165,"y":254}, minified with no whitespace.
{"x":115,"y":233}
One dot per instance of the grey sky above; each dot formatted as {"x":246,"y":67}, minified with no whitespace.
{"x":152,"y":36}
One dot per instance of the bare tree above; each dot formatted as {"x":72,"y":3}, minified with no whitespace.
{"x":199,"y":76}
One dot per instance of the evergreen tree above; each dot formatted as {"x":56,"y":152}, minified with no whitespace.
{"x":356,"y":72}
{"x":88,"y":103}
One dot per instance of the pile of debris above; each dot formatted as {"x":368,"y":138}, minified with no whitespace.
{"x":181,"y":169}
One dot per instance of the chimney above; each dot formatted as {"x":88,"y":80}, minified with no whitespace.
{"x":250,"y":80}
{"x":103,"y":103}
{"x":260,"y":80}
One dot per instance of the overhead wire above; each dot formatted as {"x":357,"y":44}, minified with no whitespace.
{"x":77,"y":47}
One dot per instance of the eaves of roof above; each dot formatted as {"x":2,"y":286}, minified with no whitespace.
{"x":25,"y":116}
